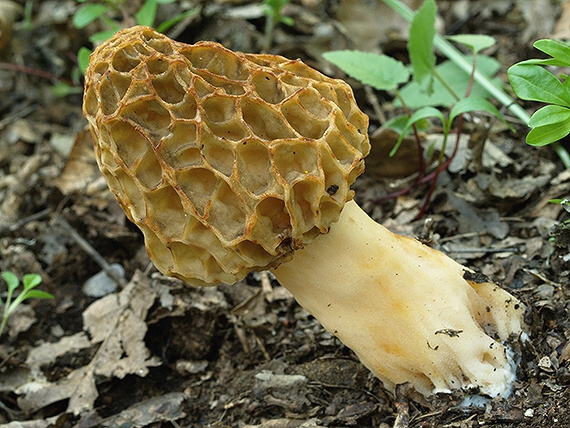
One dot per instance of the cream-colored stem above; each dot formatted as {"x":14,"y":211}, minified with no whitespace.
{"x":404,"y":308}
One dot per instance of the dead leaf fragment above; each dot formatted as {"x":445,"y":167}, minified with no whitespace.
{"x":81,"y":168}
{"x":370,"y":23}
{"x":539,"y":16}
{"x":21,"y":320}
{"x":117,"y":325}
{"x":8,"y":13}
{"x":118,"y":321}
{"x":403,"y":164}
{"x":48,"y":352}
{"x":562,"y":26}
{"x":166,"y":408}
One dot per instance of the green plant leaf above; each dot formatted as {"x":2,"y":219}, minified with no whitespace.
{"x":419,"y":115}
{"x":101,"y":36}
{"x":62,"y":89}
{"x":548,"y":115}
{"x":475,"y":104}
{"x":475,"y":42}
{"x":287,"y":20}
{"x":166,"y":25}
{"x":379,"y":71}
{"x":415,"y":95}
{"x":147,"y":13}
{"x":31,"y":280}
{"x":88,"y":13}
{"x":534,"y":83}
{"x":397,"y":123}
{"x":37,"y":294}
{"x":544,"y":135}
{"x":549,"y":61}
{"x":272,"y":8}
{"x":83,"y":58}
{"x":11,"y":279}
{"x":420,"y":44}
{"x":556,"y":49}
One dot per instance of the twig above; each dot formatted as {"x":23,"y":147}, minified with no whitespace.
{"x":402,"y":406}
{"x":12,"y":117}
{"x":373,"y":100}
{"x":266,"y":287}
{"x":20,"y":223}
{"x":33,"y":72}
{"x":543,"y":278}
{"x":86,"y":246}
{"x":487,"y":250}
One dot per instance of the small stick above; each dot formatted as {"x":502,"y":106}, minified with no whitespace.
{"x":266,"y":287}
{"x":19,"y":114}
{"x":486,"y":250}
{"x":402,"y":406}
{"x":373,"y":100}
{"x":18,"y":224}
{"x":33,"y":72}
{"x":88,"y":248}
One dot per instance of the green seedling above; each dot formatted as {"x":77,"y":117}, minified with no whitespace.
{"x":108,"y":9}
{"x":531,"y":81}
{"x":424,"y":86}
{"x":273,"y":11}
{"x":30,"y":282}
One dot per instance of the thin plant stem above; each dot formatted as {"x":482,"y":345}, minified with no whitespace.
{"x":421,"y":160}
{"x":33,"y":72}
{"x":445,"y":84}
{"x":3,"y":324}
{"x":268,"y":33}
{"x":441,"y":167}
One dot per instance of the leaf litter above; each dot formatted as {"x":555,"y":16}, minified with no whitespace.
{"x":115,"y":326}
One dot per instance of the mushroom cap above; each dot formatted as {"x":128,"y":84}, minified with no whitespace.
{"x":228,"y":162}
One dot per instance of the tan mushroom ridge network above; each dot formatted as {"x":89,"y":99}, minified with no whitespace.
{"x":228,"y":162}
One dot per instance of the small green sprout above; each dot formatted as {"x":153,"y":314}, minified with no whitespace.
{"x":146,"y":15}
{"x":30,"y":281}
{"x":272,"y":9}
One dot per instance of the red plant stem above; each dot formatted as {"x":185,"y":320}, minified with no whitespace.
{"x":439,"y":169}
{"x":421,"y":160}
{"x":33,"y":72}
{"x":421,"y":179}
{"x":433,"y":176}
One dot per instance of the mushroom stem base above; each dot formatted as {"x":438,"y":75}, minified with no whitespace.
{"x":408,"y":311}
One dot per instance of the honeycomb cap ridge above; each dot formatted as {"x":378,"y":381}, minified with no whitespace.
{"x":228,"y":162}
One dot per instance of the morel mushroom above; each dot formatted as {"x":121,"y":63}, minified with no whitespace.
{"x":231,"y":162}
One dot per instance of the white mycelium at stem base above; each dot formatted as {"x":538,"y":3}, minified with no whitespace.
{"x":404,"y":308}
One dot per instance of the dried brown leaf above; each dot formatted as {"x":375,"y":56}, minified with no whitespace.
{"x":81,"y":168}
{"x":117,"y":323}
